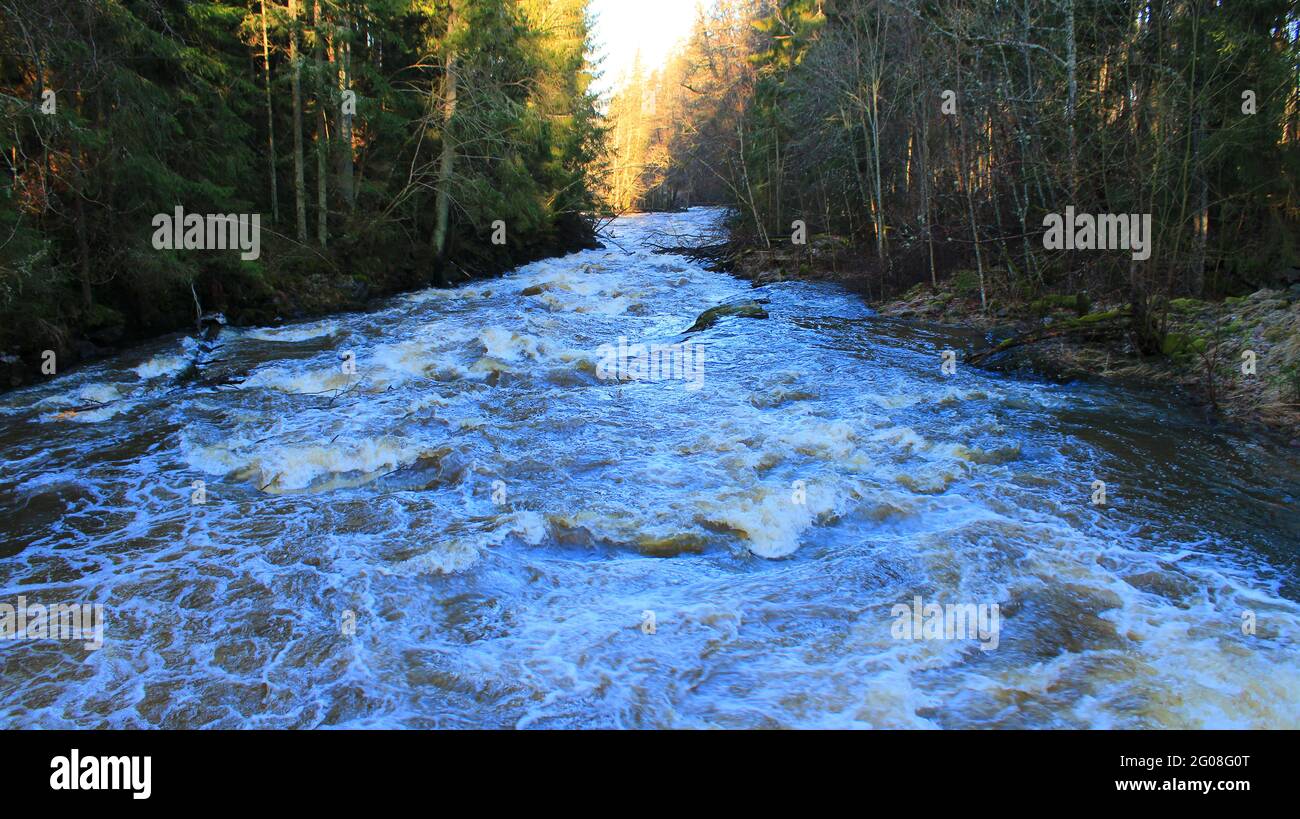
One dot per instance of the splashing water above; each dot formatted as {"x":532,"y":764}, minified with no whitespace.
{"x":474,"y":529}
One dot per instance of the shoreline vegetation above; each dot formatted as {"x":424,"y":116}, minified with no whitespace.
{"x":1205,"y":348}
{"x":379,"y":147}
{"x":302,"y":297}
{"x":1099,"y":188}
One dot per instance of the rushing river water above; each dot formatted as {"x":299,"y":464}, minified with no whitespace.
{"x":475,"y":530}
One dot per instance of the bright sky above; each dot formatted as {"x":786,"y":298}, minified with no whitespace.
{"x":653,"y":26}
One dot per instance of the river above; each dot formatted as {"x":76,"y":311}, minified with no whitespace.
{"x":475,"y":529}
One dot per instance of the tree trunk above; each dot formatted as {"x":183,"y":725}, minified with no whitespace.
{"x":970,"y":196}
{"x":322,"y":130}
{"x":925,"y":196}
{"x":343,"y":58}
{"x":270,"y":121}
{"x":83,"y":242}
{"x":299,"y":174}
{"x":1072,"y":98}
{"x":447,"y":165}
{"x":78,"y":200}
{"x":1202,"y":226}
{"x":1197,"y":283}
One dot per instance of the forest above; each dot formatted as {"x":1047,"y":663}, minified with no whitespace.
{"x":395,"y":144}
{"x":379,"y":142}
{"x":937,"y":137}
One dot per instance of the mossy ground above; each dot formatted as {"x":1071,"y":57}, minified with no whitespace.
{"x":1206,"y":351}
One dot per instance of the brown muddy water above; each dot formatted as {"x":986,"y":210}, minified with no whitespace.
{"x":475,"y":529}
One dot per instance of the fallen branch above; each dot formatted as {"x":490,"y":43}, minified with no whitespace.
{"x":1087,"y":331}
{"x":721,"y":256}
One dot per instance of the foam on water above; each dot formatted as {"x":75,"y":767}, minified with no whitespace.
{"x":517,"y":543}
{"x":295,"y":333}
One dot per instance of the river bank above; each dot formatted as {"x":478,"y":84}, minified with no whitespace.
{"x":292,"y":283}
{"x":1238,"y":359}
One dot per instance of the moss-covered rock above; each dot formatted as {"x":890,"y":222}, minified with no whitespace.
{"x":1054,"y":301}
{"x":743,"y":309}
{"x":1278,"y":333}
{"x":1175,"y":344}
{"x":1186,"y":305}
{"x":1097,"y":318}
{"x":671,"y":545}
